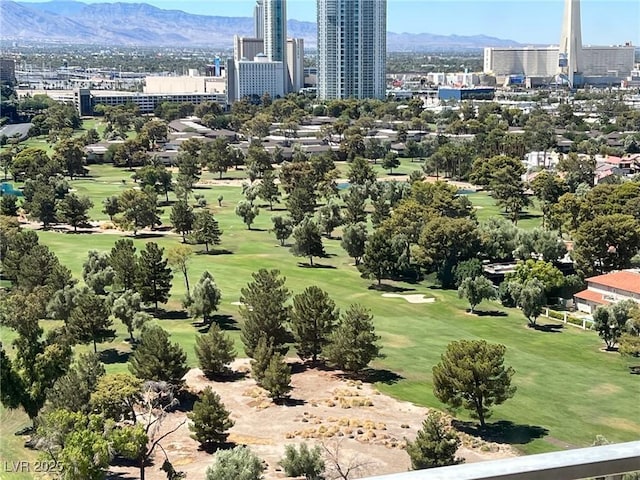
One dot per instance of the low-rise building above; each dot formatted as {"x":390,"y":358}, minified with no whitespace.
{"x":609,"y":288}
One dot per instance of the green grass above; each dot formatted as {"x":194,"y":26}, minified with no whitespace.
{"x":567,"y":388}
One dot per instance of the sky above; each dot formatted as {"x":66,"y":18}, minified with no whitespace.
{"x":604,"y":22}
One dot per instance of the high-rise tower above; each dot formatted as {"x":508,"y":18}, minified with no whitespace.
{"x":258,"y":19}
{"x":570,"y":52}
{"x":275,"y":34}
{"x":352,"y":38}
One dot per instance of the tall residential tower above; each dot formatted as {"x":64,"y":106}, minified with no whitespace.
{"x":352,"y":40}
{"x":570,"y":49}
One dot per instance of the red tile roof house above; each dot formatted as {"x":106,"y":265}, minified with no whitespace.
{"x":609,"y":288}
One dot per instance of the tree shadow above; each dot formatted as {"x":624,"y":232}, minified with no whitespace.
{"x":111,"y":356}
{"x":503,"y":431}
{"x":145,"y":235}
{"x":385,"y":287}
{"x":489,"y":313}
{"x":257,"y":230}
{"x":548,"y":327}
{"x":212,"y":448}
{"x":316,"y":265}
{"x":380,"y":375}
{"x":213,"y":252}
{"x":186,"y":400}
{"x":290,"y":402}
{"x":229,"y":376}
{"x":225,"y":322}
{"x":162,"y":314}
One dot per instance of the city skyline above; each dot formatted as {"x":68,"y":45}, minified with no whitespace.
{"x":526,"y":21}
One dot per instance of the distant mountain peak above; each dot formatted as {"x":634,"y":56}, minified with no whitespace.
{"x":121,"y":23}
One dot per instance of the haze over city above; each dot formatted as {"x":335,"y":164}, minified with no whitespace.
{"x":526,"y":21}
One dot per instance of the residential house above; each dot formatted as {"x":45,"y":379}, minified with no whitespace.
{"x":609,"y":288}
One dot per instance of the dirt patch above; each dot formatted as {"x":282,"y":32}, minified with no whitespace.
{"x":605,"y":389}
{"x":324,"y":408}
{"x":419,"y":298}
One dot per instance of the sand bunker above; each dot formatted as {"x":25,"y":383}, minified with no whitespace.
{"x":410,"y":298}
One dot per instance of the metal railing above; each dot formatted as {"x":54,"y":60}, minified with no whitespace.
{"x":574,"y":464}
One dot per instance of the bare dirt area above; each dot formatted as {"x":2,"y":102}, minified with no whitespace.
{"x":347,"y":416}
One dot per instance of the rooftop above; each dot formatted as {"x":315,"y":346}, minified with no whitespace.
{"x":626,"y":280}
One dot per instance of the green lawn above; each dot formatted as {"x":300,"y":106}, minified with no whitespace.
{"x":568,"y":390}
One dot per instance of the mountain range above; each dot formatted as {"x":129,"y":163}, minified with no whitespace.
{"x":63,"y":21}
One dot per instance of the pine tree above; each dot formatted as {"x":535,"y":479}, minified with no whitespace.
{"x":435,"y":445}
{"x":96,"y":271}
{"x":262,"y":355}
{"x":205,"y":298}
{"x":74,"y":210}
{"x":277,"y":377}
{"x":73,"y":391}
{"x":9,"y":205}
{"x":354,"y":343}
{"x":157,"y":359}
{"x":89,"y":320}
{"x":380,"y":258}
{"x":307,"y":240}
{"x":182,"y":218}
{"x":206,"y":229}
{"x":210,"y":420}
{"x":124,"y":262}
{"x":472,"y":374}
{"x":264,"y":310}
{"x":154,"y":277}
{"x":313,"y":318}
{"x":214,"y":351}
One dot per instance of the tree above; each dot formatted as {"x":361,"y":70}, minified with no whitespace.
{"x":69,"y":152}
{"x":313,"y":318}
{"x":89,"y":320}
{"x":247,"y":212}
{"x":139,"y":209}
{"x":435,"y":445}
{"x":354,"y":239}
{"x":276,"y":379}
{"x":380,"y":257}
{"x":74,"y":210}
{"x":531,"y":299}
{"x":111,"y":206}
{"x":41,"y":203}
{"x":157,"y":359}
{"x":206,"y":229}
{"x":73,"y":391}
{"x":268,"y":190}
{"x":237,"y":464}
{"x":361,"y":173}
{"x":210,"y":420}
{"x":205,"y":299}
{"x":467,"y":269}
{"x":475,"y":290}
{"x":445,"y":242}
{"x":178,"y":258}
{"x":307,"y":240}
{"x":498,"y":238}
{"x":354,"y":201}
{"x":353,"y":343}
{"x":610,"y":321}
{"x":329,"y":217}
{"x":264,"y":310}
{"x":77,"y":441}
{"x":214,"y":351}
{"x":551,"y":278}
{"x":302,"y":200}
{"x":390,"y":161}
{"x":9,"y":205}
{"x":124,"y":262}
{"x":606,"y":243}
{"x":154,"y":277}
{"x":471,"y":374}
{"x":217,"y":155}
{"x":262,"y":355}
{"x":282,"y":227}
{"x":539,"y":243}
{"x":303,"y":462}
{"x":128,"y":309}
{"x":116,"y":396}
{"x":182,"y":218}
{"x":96,"y":271}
